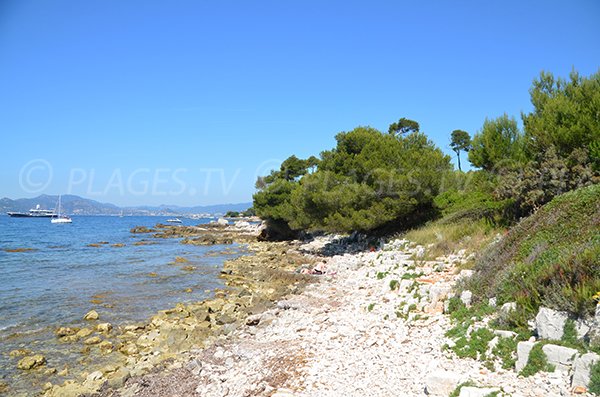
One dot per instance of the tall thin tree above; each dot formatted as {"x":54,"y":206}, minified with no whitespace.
{"x":461,"y":140}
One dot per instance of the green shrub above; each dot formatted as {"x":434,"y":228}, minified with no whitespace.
{"x":536,"y":362}
{"x":549,"y":259}
{"x":505,"y":350}
{"x":595,"y":379}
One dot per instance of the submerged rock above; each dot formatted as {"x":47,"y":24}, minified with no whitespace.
{"x":94,"y":340}
{"x":65,"y":331}
{"x":83,"y":333}
{"x":31,"y":362}
{"x":91,"y":315}
{"x":104,"y":327}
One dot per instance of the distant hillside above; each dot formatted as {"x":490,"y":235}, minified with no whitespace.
{"x":70,"y":204}
{"x":200,"y":209}
{"x":81,"y":206}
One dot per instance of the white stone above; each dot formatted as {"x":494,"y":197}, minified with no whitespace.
{"x":94,"y":376}
{"x":560,"y":356}
{"x":466,"y":297}
{"x":550,"y":323}
{"x":439,"y":292}
{"x":508,"y":307}
{"x":523,"y":350}
{"x":222,"y":222}
{"x":492,"y":302}
{"x":441,"y":383}
{"x":470,"y":391}
{"x":504,"y":334}
{"x":581,"y":369}
{"x":582,"y":327}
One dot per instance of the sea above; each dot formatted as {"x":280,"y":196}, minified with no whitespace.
{"x":58,"y":277}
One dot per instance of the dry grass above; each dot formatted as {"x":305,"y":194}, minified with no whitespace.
{"x":442,"y":238}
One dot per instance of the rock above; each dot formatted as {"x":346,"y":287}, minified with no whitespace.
{"x":105,"y":346}
{"x":64,"y":372}
{"x":91,"y":315}
{"x":504,"y":334}
{"x":94,"y":340}
{"x":129,"y":349}
{"x":560,"y":356}
{"x":508,"y":307}
{"x":83,"y":333}
{"x":118,"y":378}
{"x":466,"y":297}
{"x":96,"y":375}
{"x":492,"y":302}
{"x":65,"y":331}
{"x":582,"y":327}
{"x":439,"y":292}
{"x":19,"y":353}
{"x":441,"y":383}
{"x":31,"y":362}
{"x":579,"y":390}
{"x":581,"y":369}
{"x":594,"y":332}
{"x":104,"y":327}
{"x":242,"y":224}
{"x":222,"y":222}
{"x":470,"y":391}
{"x":550,"y":323}
{"x":283,"y":393}
{"x":3,"y":387}
{"x":523,"y":350}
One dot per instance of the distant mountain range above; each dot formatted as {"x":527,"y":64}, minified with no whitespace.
{"x":76,"y":205}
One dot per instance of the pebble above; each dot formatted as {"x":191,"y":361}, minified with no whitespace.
{"x":324,"y":342}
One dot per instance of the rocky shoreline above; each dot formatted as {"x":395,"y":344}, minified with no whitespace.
{"x":372,"y":325}
{"x":331,"y":317}
{"x":253,"y":283}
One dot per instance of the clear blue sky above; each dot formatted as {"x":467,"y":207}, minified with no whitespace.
{"x":184,"y":102}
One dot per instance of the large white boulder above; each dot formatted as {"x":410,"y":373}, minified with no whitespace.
{"x":581,"y":369}
{"x":560,"y":356}
{"x":441,"y":383}
{"x":550,"y":323}
{"x":523,"y":350}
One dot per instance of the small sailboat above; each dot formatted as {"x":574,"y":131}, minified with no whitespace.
{"x":60,"y":218}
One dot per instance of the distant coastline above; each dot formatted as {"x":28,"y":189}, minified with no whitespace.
{"x":76,"y":205}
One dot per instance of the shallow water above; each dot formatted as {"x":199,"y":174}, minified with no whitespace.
{"x":62,"y":278}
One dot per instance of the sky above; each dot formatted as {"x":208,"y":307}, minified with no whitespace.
{"x":187,"y":102}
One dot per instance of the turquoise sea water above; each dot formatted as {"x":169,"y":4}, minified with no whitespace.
{"x":62,"y":278}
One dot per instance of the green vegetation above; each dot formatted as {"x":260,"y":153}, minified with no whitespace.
{"x":236,"y":214}
{"x":378,"y":183}
{"x":595,"y":379}
{"x":499,"y":142}
{"x":460,"y":141}
{"x":549,"y":259}
{"x":536,"y":362}
{"x":367,"y":182}
{"x":505,"y":350}
{"x":456,"y":392}
{"x":443,"y":237}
